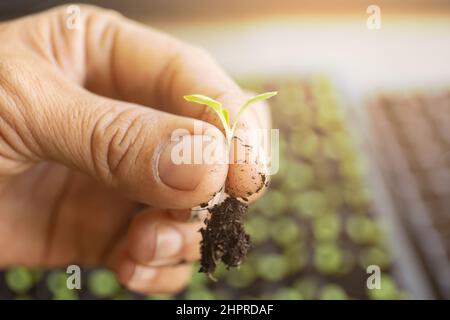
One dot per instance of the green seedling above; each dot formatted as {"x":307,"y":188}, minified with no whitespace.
{"x":258,"y":228}
{"x":307,"y":286}
{"x":199,"y":294}
{"x":328,"y":258}
{"x":56,"y":281}
{"x":272,"y":204}
{"x":297,"y":256}
{"x":223,"y":237}
{"x":333,"y":292}
{"x":19,"y":280}
{"x":298,"y":176}
{"x":66,"y":294}
{"x":388,"y":290}
{"x":242,"y":277}
{"x":306,"y":145}
{"x":272,"y":267}
{"x":311,"y":203}
{"x":223,"y":112}
{"x":362,"y":230}
{"x":284,"y":232}
{"x":374,"y":256}
{"x":287,"y":294}
{"x":326,"y":227}
{"x":103,"y":283}
{"x":161,"y":296}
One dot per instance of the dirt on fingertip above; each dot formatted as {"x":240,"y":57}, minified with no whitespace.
{"x":264,"y":183}
{"x":224,"y":238}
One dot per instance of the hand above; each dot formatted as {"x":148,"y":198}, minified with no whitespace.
{"x":85,"y":121}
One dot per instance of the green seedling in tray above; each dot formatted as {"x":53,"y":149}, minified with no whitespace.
{"x":19,"y":280}
{"x":307,"y":286}
{"x":326,"y":227}
{"x":328,"y":258}
{"x":272,"y":267}
{"x":333,"y":292}
{"x":103,"y":283}
{"x":287,"y":294}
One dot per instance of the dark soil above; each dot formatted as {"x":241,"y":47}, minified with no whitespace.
{"x":224,"y":238}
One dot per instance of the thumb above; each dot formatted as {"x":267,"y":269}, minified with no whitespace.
{"x":127,"y":146}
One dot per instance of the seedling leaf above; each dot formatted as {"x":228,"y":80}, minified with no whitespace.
{"x":221,"y":112}
{"x":252,"y":100}
{"x":201,"y":99}
{"x":226,"y":116}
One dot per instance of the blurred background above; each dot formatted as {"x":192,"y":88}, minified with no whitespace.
{"x":364,"y":119}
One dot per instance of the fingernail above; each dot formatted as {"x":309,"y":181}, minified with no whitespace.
{"x":183,"y":164}
{"x":168,"y":243}
{"x":141,"y":276}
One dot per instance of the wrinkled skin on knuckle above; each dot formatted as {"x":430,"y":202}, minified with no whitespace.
{"x":51,"y":34}
{"x":20,"y":90}
{"x":119,"y":141}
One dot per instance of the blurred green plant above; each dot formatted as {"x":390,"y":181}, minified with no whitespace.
{"x":285,"y":232}
{"x":287,"y":294}
{"x":103,"y":283}
{"x":374,"y":256}
{"x":258,"y":228}
{"x":19,"y":279}
{"x":307,"y":286}
{"x":328,"y":258}
{"x":327,"y":227}
{"x":333,"y":292}
{"x":272,"y":267}
{"x":388,"y":290}
{"x":362,"y":229}
{"x":241,"y":277}
{"x":272,"y":204}
{"x":311,"y":203}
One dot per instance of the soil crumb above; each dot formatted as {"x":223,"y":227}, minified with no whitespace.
{"x":224,"y":238}
{"x":263,"y":182}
